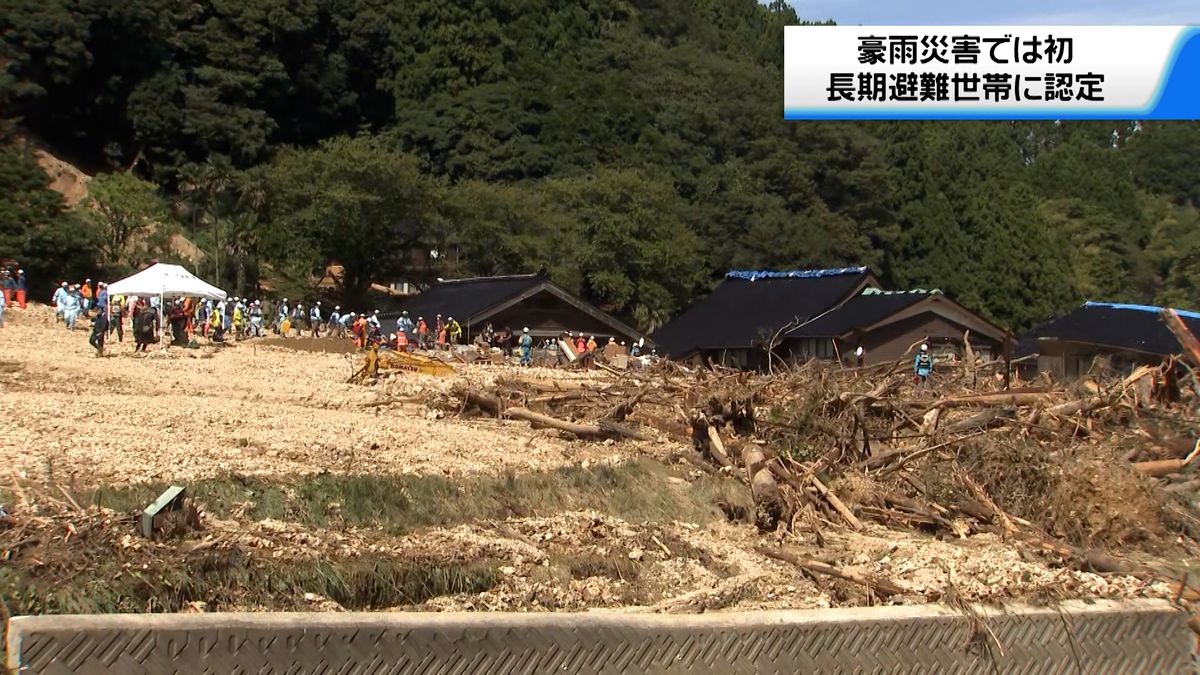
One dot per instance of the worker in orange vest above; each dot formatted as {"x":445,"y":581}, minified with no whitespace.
{"x":359,"y":329}
{"x":401,"y":341}
{"x":86,"y":293}
{"x":422,"y":333}
{"x":591,"y":344}
{"x":580,"y":344}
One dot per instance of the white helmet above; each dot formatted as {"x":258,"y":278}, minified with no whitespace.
{"x":527,"y":329}
{"x":924,"y":347}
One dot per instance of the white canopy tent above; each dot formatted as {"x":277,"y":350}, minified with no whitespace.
{"x":164,"y":281}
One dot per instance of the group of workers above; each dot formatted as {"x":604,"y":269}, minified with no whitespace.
{"x":13,"y":284}
{"x":243,"y":318}
{"x":73,"y":302}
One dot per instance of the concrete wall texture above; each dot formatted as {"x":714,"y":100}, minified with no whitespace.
{"x":1101,"y":637}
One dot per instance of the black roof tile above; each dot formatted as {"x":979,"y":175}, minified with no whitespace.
{"x":859,"y":312}
{"x":1115,"y":326}
{"x":465,"y":299}
{"x":747,"y":306}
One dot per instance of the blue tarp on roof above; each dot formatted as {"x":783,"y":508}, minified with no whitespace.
{"x":751,"y":275}
{"x":1142,"y":308}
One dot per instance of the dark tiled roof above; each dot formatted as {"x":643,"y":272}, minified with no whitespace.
{"x":861,"y":311}
{"x":1115,"y":326}
{"x":748,"y":305}
{"x":466,"y":299}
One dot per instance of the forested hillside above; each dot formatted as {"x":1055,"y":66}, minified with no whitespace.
{"x":635,"y":149}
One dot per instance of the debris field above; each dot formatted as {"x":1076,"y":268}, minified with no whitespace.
{"x":648,"y":489}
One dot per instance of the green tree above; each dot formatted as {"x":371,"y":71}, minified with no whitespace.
{"x":638,"y":258}
{"x":123,"y":209}
{"x":512,"y":229}
{"x":38,"y":231}
{"x":352,"y":201}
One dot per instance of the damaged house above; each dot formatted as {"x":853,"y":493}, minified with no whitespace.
{"x":514,"y":302}
{"x":886,"y":324}
{"x":1124,"y":335}
{"x":749,"y":310}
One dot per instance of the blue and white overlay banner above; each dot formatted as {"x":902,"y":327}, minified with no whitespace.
{"x":991,"y":72}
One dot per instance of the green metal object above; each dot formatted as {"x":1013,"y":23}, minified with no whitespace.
{"x":171,"y":500}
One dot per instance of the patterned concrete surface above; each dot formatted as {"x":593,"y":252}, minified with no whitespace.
{"x":1101,"y":637}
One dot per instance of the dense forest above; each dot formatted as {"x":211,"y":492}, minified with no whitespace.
{"x":632,"y":149}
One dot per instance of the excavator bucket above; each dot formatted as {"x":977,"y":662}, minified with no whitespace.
{"x":376,"y":362}
{"x":414,"y":363}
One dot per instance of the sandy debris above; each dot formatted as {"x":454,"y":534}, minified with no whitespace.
{"x":259,"y":410}
{"x":188,"y":414}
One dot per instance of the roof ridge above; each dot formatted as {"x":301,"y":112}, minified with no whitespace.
{"x":1141,"y":308}
{"x":912,"y":291}
{"x":751,"y":275}
{"x":502,"y":277}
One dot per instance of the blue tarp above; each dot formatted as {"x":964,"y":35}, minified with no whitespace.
{"x":751,"y":275}
{"x":1141,"y":308}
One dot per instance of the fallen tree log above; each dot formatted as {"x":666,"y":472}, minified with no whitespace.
{"x":494,"y":406}
{"x":1075,"y":407}
{"x":883,"y":587}
{"x":548,"y":386}
{"x":1184,"y":487}
{"x":837,"y":504}
{"x":1013,"y":398}
{"x":707,"y":441}
{"x":770,"y":508}
{"x":983,"y":498}
{"x":622,"y":409}
{"x":580,"y":430}
{"x":984,"y":420}
{"x":1191,"y":346}
{"x":1164,"y":467}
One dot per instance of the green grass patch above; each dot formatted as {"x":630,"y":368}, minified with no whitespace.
{"x":637,"y":491}
{"x":230,"y":578}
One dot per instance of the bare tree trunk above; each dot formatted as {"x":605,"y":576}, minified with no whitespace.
{"x":217,"y":249}
{"x":240,"y":282}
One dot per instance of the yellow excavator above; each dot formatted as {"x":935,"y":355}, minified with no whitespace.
{"x":376,"y":361}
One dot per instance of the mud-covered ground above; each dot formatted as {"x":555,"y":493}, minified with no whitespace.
{"x":326,"y":496}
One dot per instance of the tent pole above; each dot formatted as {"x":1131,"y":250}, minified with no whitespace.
{"x":162,"y":333}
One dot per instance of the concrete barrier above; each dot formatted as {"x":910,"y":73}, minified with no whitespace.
{"x":1101,"y":637}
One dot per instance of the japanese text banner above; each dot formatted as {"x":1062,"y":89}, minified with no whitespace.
{"x":991,"y":72}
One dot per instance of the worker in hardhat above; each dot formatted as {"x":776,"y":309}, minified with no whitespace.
{"x":422,"y":333}
{"x":923,"y":365}
{"x":315,"y":320}
{"x":335,"y":321}
{"x":71,"y":304}
{"x":60,"y":294}
{"x":453,"y":331}
{"x":359,"y":330}
{"x":859,"y":355}
{"x":256,"y":319}
{"x":405,"y":324}
{"x":526,"y":347}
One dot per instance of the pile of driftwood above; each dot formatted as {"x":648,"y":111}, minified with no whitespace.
{"x":825,"y":446}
